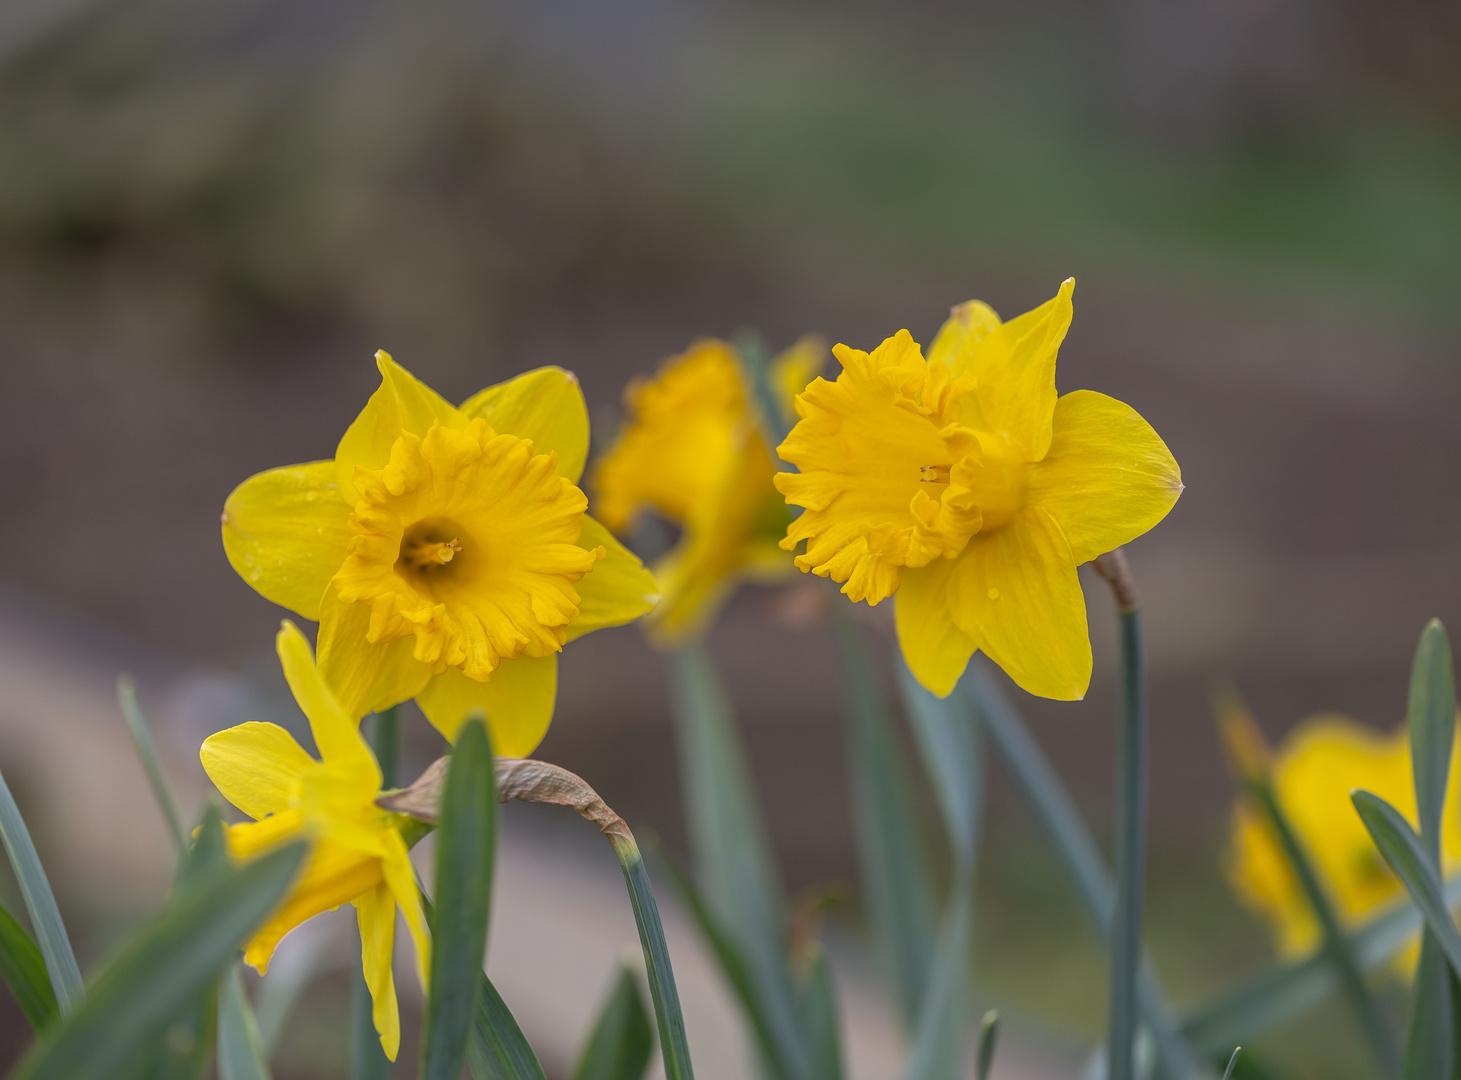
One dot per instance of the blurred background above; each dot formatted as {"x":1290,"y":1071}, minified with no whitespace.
{"x":211,"y":215}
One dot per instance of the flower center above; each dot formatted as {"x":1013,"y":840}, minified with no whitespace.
{"x":997,"y":481}
{"x":468,"y":541}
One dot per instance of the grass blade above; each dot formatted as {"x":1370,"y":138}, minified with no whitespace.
{"x":40,"y":903}
{"x":240,"y":1048}
{"x":1232,"y":1063}
{"x":1431,"y":716}
{"x":1405,"y":853}
{"x":1278,"y":994}
{"x":671,"y":1021}
{"x":1131,"y":784}
{"x":497,"y":1049}
{"x":988,"y":1036}
{"x":160,"y":972}
{"x":733,"y":863}
{"x":938,"y":1046}
{"x":891,"y":854}
{"x":948,"y":735}
{"x":1072,"y":841}
{"x":819,"y":1013}
{"x":620,"y":1044}
{"x":733,"y":963}
{"x":24,"y":971}
{"x":368,"y":1059}
{"x":463,"y":896}
{"x":151,"y":762}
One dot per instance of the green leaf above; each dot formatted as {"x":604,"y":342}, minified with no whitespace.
{"x":733,"y":963}
{"x":1403,"y":850}
{"x":621,"y":1041}
{"x":463,"y":896}
{"x":947,"y":732}
{"x":1277,"y":994}
{"x":939,"y":1041}
{"x":1232,"y":1063}
{"x":368,"y":1059}
{"x":891,"y":855}
{"x":40,"y":904}
{"x":1131,"y":800}
{"x":498,"y":1049}
{"x":674,"y":1047}
{"x":151,"y":762}
{"x":24,"y":971}
{"x":240,"y":1049}
{"x":160,"y":972}
{"x":1431,"y":714}
{"x":988,"y":1036}
{"x":819,"y":1017}
{"x":1072,"y":841}
{"x":733,"y":861}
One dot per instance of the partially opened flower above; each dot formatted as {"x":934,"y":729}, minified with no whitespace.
{"x":963,"y":484}
{"x":358,"y":857}
{"x":1313,"y":773}
{"x":445,"y":551}
{"x":693,"y":450}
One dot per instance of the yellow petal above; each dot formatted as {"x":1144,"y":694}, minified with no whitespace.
{"x":256,"y":766}
{"x":1108,"y":477}
{"x":403,"y":403}
{"x":335,"y":731}
{"x":967,"y":325}
{"x":517,"y":700}
{"x":1015,"y":367}
{"x":1016,"y":593}
{"x":546,"y":406}
{"x":400,"y":875}
{"x":376,"y":913}
{"x":332,"y":876}
{"x":793,"y":369}
{"x":934,"y":648}
{"x":364,"y":677}
{"x":617,"y":590}
{"x":284,"y":532}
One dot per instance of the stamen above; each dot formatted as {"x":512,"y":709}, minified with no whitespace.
{"x":934,"y":474}
{"x":421,"y":555}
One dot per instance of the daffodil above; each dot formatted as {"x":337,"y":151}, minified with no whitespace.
{"x":1313,"y":772}
{"x":444,"y":550}
{"x":692,"y":448}
{"x":965,"y":485}
{"x":358,"y":857}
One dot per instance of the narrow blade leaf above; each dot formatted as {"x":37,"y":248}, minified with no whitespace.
{"x":498,"y":1050}
{"x":988,"y":1037}
{"x":463,"y":896}
{"x":160,"y":972}
{"x":1432,"y":722}
{"x":939,"y":1042}
{"x":620,"y":1043}
{"x":40,"y":903}
{"x":24,"y":971}
{"x":151,"y":761}
{"x":890,"y":851}
{"x":240,"y":1049}
{"x":819,"y":1011}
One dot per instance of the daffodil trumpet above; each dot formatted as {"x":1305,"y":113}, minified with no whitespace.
{"x":964,"y":484}
{"x":445,"y":551}
{"x":694,"y":449}
{"x":360,"y":851}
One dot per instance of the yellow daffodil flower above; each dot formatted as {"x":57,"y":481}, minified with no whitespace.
{"x":1313,"y":772}
{"x":358,"y":857}
{"x":692,"y":449}
{"x":445,"y":551}
{"x":963,"y":484}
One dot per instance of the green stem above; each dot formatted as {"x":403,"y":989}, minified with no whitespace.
{"x":1130,"y":853}
{"x":670,"y":1020}
{"x":1336,"y":944}
{"x":367,"y":1060}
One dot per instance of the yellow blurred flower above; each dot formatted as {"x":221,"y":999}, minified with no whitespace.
{"x":693,"y":450}
{"x":1313,"y":772}
{"x":965,"y":485}
{"x":358,"y":856}
{"x":445,"y":551}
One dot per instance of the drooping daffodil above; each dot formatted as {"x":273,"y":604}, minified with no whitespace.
{"x":967,"y":486}
{"x":1313,"y":772}
{"x":358,"y":855}
{"x":694,"y":450}
{"x":444,"y":550}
